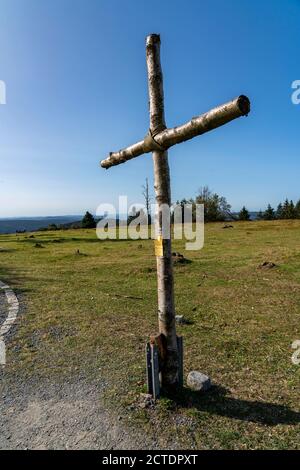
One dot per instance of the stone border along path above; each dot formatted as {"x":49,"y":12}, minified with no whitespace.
{"x":13,"y":309}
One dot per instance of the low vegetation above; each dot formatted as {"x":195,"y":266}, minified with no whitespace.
{"x":89,"y":307}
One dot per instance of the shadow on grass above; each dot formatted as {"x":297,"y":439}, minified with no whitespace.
{"x":6,"y":274}
{"x":9,"y":277}
{"x":217,"y":401}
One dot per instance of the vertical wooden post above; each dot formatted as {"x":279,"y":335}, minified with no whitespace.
{"x":165,"y":285}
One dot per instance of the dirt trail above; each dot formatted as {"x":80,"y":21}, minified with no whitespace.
{"x":68,"y":416}
{"x":38,"y":414}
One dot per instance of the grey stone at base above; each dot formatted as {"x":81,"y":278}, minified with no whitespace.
{"x":198,"y":382}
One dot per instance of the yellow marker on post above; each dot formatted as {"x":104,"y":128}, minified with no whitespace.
{"x":158,"y":246}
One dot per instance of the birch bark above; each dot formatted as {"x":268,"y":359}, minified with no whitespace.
{"x":166,"y":138}
{"x":165,"y":285}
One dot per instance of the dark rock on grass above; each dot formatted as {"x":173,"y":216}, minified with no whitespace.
{"x":267,"y":265}
{"x":150,"y":270}
{"x":178,"y":258}
{"x":182,"y":321}
{"x":38,"y":245}
{"x":176,"y":254}
{"x":78,"y":253}
{"x":228,"y":226}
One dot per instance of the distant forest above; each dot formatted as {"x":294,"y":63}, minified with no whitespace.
{"x":216,"y":209}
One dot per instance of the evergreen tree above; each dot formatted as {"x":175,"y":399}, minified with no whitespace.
{"x":292,"y":210}
{"x":88,"y":221}
{"x":288,"y":210}
{"x":279,"y":211}
{"x":244,"y":214}
{"x":269,"y":213}
{"x":297,"y":210}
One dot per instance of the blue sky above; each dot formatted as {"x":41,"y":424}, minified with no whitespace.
{"x":77,"y":88}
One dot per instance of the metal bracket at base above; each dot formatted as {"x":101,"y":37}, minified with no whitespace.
{"x":153,"y":369}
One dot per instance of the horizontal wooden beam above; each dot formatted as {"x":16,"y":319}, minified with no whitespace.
{"x":196,"y":126}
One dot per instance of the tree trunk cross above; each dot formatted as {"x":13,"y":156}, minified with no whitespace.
{"x":157,"y":141}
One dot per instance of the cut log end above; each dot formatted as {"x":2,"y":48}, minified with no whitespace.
{"x":152,"y":39}
{"x":104,"y":164}
{"x":108,"y":161}
{"x":244,"y":105}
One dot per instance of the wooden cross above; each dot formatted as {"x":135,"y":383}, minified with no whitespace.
{"x":158,"y":141}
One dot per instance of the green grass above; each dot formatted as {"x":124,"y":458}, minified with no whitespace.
{"x":243,"y":321}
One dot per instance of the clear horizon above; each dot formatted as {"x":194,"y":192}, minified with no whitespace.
{"x":76,"y":89}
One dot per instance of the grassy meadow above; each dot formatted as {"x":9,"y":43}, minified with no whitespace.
{"x":90,"y":313}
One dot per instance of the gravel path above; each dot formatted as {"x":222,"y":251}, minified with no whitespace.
{"x":38,"y":414}
{"x":66,"y":416}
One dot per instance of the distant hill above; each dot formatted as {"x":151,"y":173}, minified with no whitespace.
{"x":11,"y":225}
{"x":29,"y":224}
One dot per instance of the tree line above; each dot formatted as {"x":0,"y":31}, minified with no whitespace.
{"x":217,"y":209}
{"x":285,"y":210}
